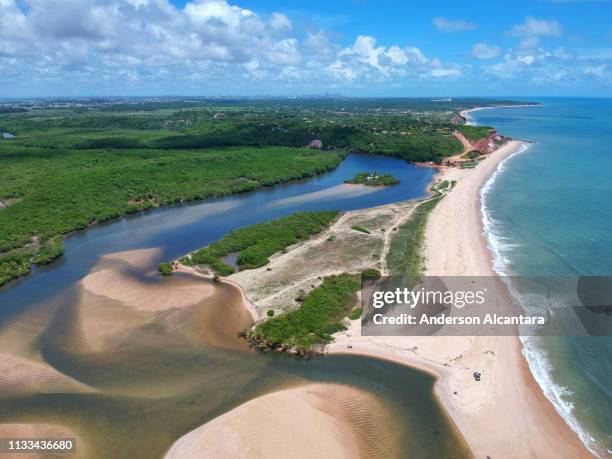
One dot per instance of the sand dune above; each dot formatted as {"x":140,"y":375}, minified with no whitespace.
{"x":346,"y":423}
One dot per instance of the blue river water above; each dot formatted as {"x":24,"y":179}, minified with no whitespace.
{"x":178,"y":230}
{"x":164,"y":378}
{"x":549,"y":213}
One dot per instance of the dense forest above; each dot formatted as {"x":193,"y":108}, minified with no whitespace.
{"x":73,"y":163}
{"x":54,"y":193}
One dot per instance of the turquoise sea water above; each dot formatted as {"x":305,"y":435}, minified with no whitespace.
{"x":548,"y":212}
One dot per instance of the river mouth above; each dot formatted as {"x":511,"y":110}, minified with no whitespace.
{"x":131,"y":361}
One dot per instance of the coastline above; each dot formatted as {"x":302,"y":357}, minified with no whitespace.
{"x":482,"y":411}
{"x":469,"y":121}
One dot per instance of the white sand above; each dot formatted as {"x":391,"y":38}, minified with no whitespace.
{"x":505,"y":415}
{"x":112,"y":279}
{"x":317,"y":420}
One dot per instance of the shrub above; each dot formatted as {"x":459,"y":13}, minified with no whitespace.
{"x":361,"y":229}
{"x":165,"y":269}
{"x":318,"y":317}
{"x":370,"y":274}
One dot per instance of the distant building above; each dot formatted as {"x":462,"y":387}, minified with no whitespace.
{"x":315,"y":144}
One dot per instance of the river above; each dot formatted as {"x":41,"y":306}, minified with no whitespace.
{"x":176,"y":371}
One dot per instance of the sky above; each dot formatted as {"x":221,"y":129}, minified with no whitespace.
{"x":295,"y":47}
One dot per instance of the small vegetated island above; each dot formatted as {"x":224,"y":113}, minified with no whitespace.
{"x":373,"y":179}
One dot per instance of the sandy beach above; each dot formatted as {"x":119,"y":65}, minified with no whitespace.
{"x":505,"y":414}
{"x":334,"y":421}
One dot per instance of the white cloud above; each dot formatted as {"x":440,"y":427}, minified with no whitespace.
{"x":485,"y":51}
{"x":449,"y":25}
{"x":532,"y":29}
{"x":368,"y":61}
{"x":319,"y":44}
{"x":445,"y":73}
{"x":537,"y":27}
{"x":284,"y":52}
{"x":599,"y":71}
{"x":280,"y":22}
{"x":208,"y":44}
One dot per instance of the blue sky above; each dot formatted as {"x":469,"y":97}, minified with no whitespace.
{"x":354,"y":47}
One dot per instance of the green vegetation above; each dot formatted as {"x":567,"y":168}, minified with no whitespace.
{"x":473,"y":154}
{"x":255,"y":243}
{"x":405,"y":257}
{"x":355,"y":314}
{"x":474,"y":133}
{"x":361,"y":229}
{"x":371,"y":274}
{"x":165,"y":269}
{"x":63,"y":191}
{"x":373,"y":179}
{"x":17,"y":263}
{"x":468,"y":164}
{"x":318,"y":317}
{"x":76,"y":163}
{"x":270,"y":313}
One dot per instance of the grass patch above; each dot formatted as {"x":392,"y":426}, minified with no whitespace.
{"x":361,"y":229}
{"x":255,"y":243}
{"x":474,"y":133}
{"x":355,"y":314}
{"x":319,"y":316}
{"x":373,"y":179}
{"x":405,"y":257}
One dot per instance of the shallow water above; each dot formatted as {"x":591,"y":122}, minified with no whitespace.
{"x":158,"y":375}
{"x":551,"y":215}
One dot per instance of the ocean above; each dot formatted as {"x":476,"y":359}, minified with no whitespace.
{"x":548,"y":212}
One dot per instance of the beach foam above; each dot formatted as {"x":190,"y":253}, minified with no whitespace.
{"x":539,"y":364}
